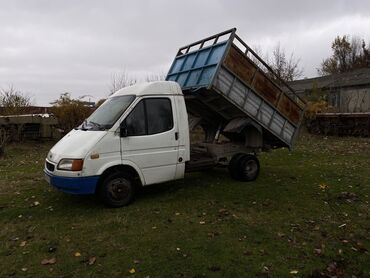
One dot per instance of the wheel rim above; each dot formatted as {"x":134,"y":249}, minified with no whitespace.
{"x":119,"y":189}
{"x":251,"y":168}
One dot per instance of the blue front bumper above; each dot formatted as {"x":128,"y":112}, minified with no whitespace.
{"x":77,"y":185}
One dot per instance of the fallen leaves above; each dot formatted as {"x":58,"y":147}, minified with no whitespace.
{"x":91,"y":260}
{"x":77,"y":254}
{"x":132,"y":271}
{"x":35,"y":203}
{"x":348,"y":197}
{"x":213,"y":234}
{"x":223,"y":211}
{"x":281,"y":234}
{"x":49,"y":261}
{"x":361,"y":247}
{"x":23,"y":243}
{"x":323,"y":186}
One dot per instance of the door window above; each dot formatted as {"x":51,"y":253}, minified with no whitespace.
{"x":150,"y":116}
{"x":159,"y":115}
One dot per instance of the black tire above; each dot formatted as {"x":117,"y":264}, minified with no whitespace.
{"x":117,"y":190}
{"x":248,"y":168}
{"x":244,"y":167}
{"x":233,"y":165}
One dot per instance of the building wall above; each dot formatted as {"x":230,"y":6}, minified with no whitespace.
{"x":354,"y":100}
{"x":30,"y":110}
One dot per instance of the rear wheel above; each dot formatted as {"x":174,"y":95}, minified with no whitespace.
{"x":245,"y":167}
{"x":117,"y":190}
{"x":233,"y":165}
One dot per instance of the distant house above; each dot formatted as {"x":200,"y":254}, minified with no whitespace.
{"x":346,"y":92}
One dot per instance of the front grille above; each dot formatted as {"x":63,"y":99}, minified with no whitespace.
{"x":50,"y":166}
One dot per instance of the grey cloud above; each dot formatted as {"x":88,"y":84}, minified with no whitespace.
{"x":49,"y":47}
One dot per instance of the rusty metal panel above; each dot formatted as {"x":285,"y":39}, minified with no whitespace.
{"x":266,"y":88}
{"x":246,"y":70}
{"x":289,"y":108}
{"x":236,"y":63}
{"x":240,"y":66}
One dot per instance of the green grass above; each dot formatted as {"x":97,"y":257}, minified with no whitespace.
{"x":307,"y":212}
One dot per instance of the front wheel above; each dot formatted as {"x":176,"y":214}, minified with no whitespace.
{"x":117,"y":190}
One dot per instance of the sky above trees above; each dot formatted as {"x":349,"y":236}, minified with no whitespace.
{"x":51,"y":47}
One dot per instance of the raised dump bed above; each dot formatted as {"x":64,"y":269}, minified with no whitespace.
{"x":226,"y":84}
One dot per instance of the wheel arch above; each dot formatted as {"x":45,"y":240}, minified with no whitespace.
{"x":125,"y":168}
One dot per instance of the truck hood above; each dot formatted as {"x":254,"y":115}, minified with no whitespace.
{"x":76,"y":144}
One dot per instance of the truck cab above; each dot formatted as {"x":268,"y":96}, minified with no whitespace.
{"x":138,"y":136}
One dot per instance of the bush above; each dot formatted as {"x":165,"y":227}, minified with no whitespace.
{"x":314,"y":107}
{"x":13,"y":102}
{"x":70,"y":112}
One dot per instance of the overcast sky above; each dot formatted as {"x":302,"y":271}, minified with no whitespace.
{"x":50,"y":47}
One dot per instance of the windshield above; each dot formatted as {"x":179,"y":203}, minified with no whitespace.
{"x":108,"y":113}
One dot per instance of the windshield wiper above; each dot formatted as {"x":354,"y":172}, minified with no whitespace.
{"x":82,"y":126}
{"x":99,"y":126}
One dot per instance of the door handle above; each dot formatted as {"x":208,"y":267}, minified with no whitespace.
{"x":176,"y":136}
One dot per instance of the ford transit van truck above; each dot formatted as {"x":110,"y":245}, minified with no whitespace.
{"x":218,"y":87}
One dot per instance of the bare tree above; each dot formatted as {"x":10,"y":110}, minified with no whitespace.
{"x":124,"y":79}
{"x":13,"y":101}
{"x":121,"y":80}
{"x":287,"y":69}
{"x":356,"y":49}
{"x":258,"y":50}
{"x":155,"y":77}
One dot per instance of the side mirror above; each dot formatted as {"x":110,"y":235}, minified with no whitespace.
{"x":123,"y":129}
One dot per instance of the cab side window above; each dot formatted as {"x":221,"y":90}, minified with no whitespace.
{"x":150,"y":116}
{"x":159,"y":115}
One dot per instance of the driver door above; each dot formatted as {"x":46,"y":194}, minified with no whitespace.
{"x":150,"y":138}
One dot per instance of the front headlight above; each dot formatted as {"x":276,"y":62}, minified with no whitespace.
{"x":70,"y":164}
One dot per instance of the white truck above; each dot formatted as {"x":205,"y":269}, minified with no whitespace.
{"x":140,"y":135}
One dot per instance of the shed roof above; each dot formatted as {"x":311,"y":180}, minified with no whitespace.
{"x":359,"y":77}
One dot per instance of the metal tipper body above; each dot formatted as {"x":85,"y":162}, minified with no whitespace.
{"x":230,"y":90}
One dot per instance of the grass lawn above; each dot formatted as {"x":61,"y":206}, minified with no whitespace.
{"x":307,"y":215}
